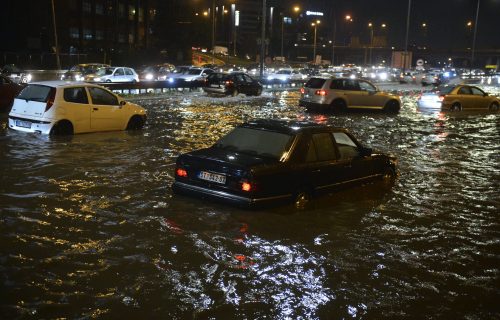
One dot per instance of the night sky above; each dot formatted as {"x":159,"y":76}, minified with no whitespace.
{"x":446,"y":19}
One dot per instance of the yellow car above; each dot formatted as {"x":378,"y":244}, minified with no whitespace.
{"x":457,"y":98}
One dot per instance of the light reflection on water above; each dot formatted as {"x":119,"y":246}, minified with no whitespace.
{"x":90,"y":228}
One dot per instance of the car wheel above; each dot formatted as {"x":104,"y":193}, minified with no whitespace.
{"x":302,"y":198}
{"x":108,"y":80}
{"x":494,"y":106}
{"x":338,"y":105}
{"x":235,"y":92}
{"x":62,"y":128}
{"x":135,"y":123}
{"x":392,"y":106}
{"x":456,"y":107}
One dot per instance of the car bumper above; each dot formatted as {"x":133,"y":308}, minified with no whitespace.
{"x":311,"y":105}
{"x":35,"y":126}
{"x":429,"y":105}
{"x":226,"y":197}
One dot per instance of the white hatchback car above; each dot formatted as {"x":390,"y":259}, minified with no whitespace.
{"x":113,"y":74}
{"x":57,"y":107}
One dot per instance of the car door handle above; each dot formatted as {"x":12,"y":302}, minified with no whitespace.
{"x":95,"y":109}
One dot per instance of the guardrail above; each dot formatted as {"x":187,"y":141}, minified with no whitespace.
{"x":165,"y":86}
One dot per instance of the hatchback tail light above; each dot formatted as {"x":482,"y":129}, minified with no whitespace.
{"x":441,"y":97}
{"x":229,"y":82}
{"x":302,"y":90}
{"x":246,"y":186}
{"x":321,"y":92}
{"x":181,"y":172}
{"x":50,"y":99}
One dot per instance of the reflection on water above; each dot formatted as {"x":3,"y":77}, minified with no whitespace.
{"x":90,"y":228}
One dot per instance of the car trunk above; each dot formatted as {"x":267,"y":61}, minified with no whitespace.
{"x":33,"y":101}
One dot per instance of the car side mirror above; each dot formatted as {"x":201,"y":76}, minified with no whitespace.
{"x":123,"y":102}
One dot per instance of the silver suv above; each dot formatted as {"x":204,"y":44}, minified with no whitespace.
{"x":341,"y":94}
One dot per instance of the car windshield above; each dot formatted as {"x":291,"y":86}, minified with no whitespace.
{"x":315,"y":83}
{"x":446,"y":89}
{"x":104,"y":71}
{"x":194,"y":71}
{"x":256,"y":142}
{"x":35,"y":93}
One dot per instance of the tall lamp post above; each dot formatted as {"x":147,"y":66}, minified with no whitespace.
{"x":263,"y":37}
{"x":406,"y":38}
{"x":315,"y":25}
{"x":474,"y":37}
{"x":55,"y":37}
{"x":370,"y":25}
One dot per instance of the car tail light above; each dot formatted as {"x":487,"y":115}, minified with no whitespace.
{"x":246,"y":186}
{"x":441,"y":97}
{"x":181,"y":172}
{"x":321,"y":92}
{"x":302,"y":90}
{"x":229,"y":82}
{"x":50,"y":99}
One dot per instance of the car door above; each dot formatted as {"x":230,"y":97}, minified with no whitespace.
{"x":356,"y":165}
{"x":118,"y":75}
{"x":479,"y":98}
{"x":129,"y":75}
{"x":465,"y":97}
{"x":370,"y":97}
{"x":352,"y":93}
{"x":77,"y":108}
{"x":106,"y":111}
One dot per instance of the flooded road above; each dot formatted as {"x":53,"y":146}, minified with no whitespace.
{"x":90,"y":229}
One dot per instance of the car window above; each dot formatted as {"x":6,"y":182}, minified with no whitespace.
{"x":337,"y":84}
{"x":315,"y":83}
{"x":102,"y":97}
{"x":323,"y":146}
{"x":352,"y":85}
{"x":256,"y":142}
{"x":76,"y":95}
{"x":35,"y":93}
{"x":347,"y":147}
{"x":128,"y":72}
{"x":248,"y":79}
{"x":119,"y":72}
{"x":464,"y":90}
{"x":365,"y":86}
{"x":476,"y":91}
{"x":239,"y":78}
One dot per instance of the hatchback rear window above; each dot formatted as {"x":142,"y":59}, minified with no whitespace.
{"x":315,"y":83}
{"x":35,"y":93}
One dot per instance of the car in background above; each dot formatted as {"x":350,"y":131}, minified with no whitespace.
{"x":113,"y":74}
{"x":342,"y":94}
{"x":156,"y":72}
{"x":269,"y":161}
{"x":458,"y":98}
{"x":79,"y":71}
{"x":232,"y":84}
{"x":8,"y":90}
{"x":16,"y":74}
{"x":286,"y":75}
{"x":408,"y":77}
{"x":65,"y":108}
{"x":192,"y":75}
{"x":431,"y":78}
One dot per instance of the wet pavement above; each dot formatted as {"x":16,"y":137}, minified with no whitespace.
{"x":89,"y":226}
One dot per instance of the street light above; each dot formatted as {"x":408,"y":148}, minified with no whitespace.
{"x":474,"y":36}
{"x":315,"y":25}
{"x":370,"y":25}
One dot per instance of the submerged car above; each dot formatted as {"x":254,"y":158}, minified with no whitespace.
{"x":272,"y":161}
{"x":65,"y":108}
{"x":342,"y":94}
{"x":8,"y":90}
{"x":457,"y":98}
{"x":232,"y":84}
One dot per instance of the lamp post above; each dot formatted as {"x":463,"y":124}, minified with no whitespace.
{"x":315,"y":25}
{"x":474,"y":37}
{"x":370,"y":25}
{"x":263,"y":38}
{"x":55,"y":37}
{"x":406,"y":38}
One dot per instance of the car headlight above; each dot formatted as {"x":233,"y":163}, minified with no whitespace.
{"x":269,"y":78}
{"x":149,"y":76}
{"x":78,"y":78}
{"x":62,"y":77}
{"x":383,"y":76}
{"x":97,"y":79}
{"x":171,"y":80}
{"x":28,"y":77}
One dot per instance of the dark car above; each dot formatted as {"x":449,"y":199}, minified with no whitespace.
{"x":232,"y":84}
{"x":156,"y":72}
{"x":266,"y":161}
{"x":16,"y":74}
{"x":8,"y":90}
{"x":79,"y":71}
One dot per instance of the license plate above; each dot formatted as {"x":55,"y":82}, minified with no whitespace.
{"x":212,"y":177}
{"x":24,"y":124}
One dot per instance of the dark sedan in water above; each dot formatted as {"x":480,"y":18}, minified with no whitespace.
{"x":266,"y":161}
{"x":232,"y":84}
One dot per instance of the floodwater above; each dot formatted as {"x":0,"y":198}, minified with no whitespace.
{"x":90,"y":229}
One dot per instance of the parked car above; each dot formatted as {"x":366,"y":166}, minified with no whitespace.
{"x":79,"y":71}
{"x":113,"y":74}
{"x":8,"y":90}
{"x":341,"y":94}
{"x":268,"y":161}
{"x":57,"y":107}
{"x":232,"y":84}
{"x":156,"y":72}
{"x":457,"y":98}
{"x":193,"y":75}
{"x":16,"y":74}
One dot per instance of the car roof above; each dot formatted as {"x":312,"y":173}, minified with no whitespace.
{"x":284,"y":126}
{"x":62,"y":84}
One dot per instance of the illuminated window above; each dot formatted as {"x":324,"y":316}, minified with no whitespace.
{"x":87,"y":34}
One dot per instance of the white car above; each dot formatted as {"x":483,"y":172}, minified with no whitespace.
{"x":57,"y":107}
{"x":190,"y":75}
{"x":113,"y":74}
